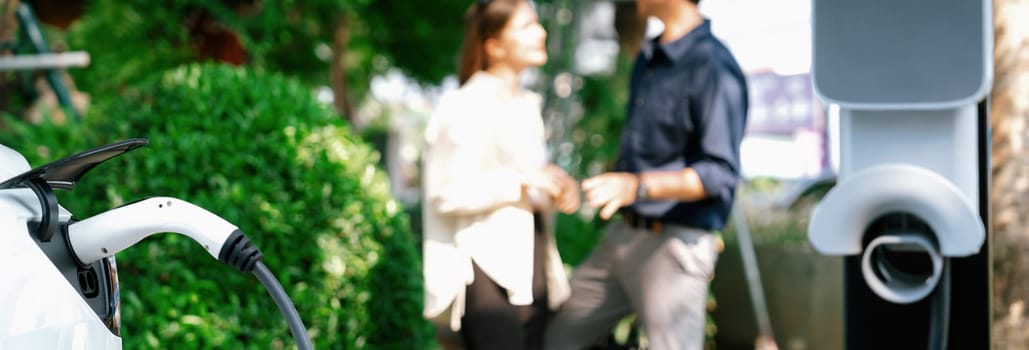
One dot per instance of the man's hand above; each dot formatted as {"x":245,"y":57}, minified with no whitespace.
{"x":610,"y":191}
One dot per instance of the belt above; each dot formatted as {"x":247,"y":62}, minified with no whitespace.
{"x":634,"y":220}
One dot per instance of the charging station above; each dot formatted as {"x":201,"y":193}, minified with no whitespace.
{"x":910,"y":210}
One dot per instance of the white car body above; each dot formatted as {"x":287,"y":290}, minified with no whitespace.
{"x":41,"y":309}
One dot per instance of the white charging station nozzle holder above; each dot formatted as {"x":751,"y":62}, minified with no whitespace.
{"x":907,"y":93}
{"x":839,"y":222}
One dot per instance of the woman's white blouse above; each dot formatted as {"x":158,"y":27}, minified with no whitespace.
{"x":478,"y":141}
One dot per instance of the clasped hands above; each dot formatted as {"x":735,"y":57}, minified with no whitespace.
{"x":608,"y":191}
{"x":555,"y":182}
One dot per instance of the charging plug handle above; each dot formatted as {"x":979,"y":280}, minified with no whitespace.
{"x":238,"y":252}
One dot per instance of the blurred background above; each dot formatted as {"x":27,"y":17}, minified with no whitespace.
{"x":301,"y":122}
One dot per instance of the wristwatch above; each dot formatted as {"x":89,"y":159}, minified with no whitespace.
{"x":641,"y":189}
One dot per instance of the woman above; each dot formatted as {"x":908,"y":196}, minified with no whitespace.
{"x":490,"y":270}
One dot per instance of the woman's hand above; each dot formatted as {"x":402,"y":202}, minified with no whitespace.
{"x":557,"y":184}
{"x":544,"y":181}
{"x":567,"y":201}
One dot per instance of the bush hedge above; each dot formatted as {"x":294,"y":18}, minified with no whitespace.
{"x":258,"y":150}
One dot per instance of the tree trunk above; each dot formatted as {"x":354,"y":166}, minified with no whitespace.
{"x":338,"y":69}
{"x":1009,"y":195}
{"x":630,"y":28}
{"x":58,"y":13}
{"x":8,"y":21}
{"x":8,"y":30}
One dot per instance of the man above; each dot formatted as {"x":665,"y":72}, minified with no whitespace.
{"x":674,"y":183}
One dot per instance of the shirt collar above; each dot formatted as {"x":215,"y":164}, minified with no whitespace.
{"x":677,"y":49}
{"x":484,"y":82}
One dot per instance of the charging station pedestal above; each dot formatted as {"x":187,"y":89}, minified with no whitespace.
{"x":910,"y":210}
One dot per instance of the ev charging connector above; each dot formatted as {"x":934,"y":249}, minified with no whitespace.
{"x":31,"y":213}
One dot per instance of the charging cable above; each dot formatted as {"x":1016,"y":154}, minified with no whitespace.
{"x":114,"y":230}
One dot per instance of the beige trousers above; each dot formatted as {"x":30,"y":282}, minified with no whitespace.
{"x":662,"y":278}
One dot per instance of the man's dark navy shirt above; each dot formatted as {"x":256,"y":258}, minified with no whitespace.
{"x":687,"y":108}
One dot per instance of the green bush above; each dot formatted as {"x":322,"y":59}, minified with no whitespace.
{"x":258,"y":150}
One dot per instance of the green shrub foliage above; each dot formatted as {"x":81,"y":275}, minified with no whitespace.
{"x":258,"y":150}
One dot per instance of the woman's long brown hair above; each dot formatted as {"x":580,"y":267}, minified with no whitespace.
{"x":483,"y":20}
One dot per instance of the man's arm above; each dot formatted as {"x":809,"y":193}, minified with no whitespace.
{"x":723,"y":108}
{"x":611,"y":191}
{"x":683,"y":186}
{"x":714,"y":175}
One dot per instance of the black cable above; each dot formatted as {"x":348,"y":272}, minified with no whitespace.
{"x":240,"y":253}
{"x":296,"y":326}
{"x":939,"y":318}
